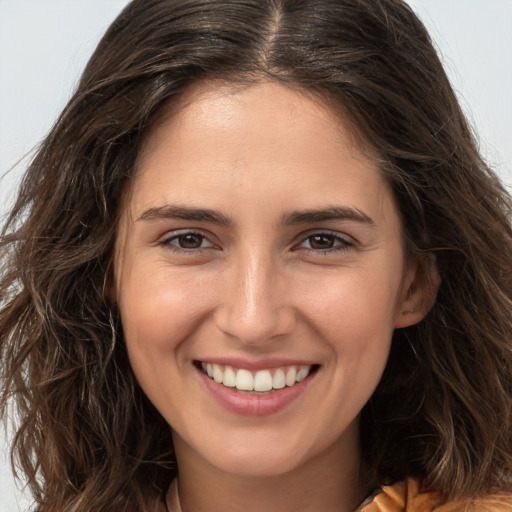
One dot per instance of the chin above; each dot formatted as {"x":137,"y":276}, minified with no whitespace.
{"x":260,"y":466}
{"x":258,"y":459}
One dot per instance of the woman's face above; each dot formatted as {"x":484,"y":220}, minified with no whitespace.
{"x":259,"y":244}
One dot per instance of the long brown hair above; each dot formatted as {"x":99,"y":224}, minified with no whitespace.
{"x":88,"y":438}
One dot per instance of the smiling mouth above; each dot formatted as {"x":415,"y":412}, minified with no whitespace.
{"x":258,"y":382}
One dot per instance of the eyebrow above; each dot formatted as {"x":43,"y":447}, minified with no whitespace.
{"x":185,"y":213}
{"x":326,"y":214}
{"x":295,"y":217}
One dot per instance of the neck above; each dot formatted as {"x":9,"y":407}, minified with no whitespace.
{"x":330,"y":482}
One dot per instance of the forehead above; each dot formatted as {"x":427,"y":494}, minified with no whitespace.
{"x":226,"y":105}
{"x":256,"y":145}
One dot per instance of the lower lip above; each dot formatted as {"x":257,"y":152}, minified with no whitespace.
{"x":258,"y":404}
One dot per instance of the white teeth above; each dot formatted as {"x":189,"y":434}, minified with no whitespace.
{"x":218,"y":374}
{"x":229,"y":379}
{"x":278,"y":381}
{"x":290,"y":377}
{"x":262,"y":381}
{"x":302,"y":374}
{"x":244,"y":380}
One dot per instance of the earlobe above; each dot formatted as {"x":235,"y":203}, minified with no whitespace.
{"x":421,"y":284}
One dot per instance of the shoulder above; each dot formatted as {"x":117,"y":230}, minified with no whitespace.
{"x":408,"y":496}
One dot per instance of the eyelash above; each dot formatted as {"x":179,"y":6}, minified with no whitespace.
{"x":340,"y":243}
{"x":167,"y":242}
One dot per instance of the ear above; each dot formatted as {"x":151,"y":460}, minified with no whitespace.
{"x":419,"y":291}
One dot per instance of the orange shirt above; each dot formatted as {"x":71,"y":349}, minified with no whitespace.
{"x":408,"y":497}
{"x":404,"y":496}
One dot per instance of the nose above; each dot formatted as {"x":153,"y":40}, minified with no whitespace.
{"x":255,"y":306}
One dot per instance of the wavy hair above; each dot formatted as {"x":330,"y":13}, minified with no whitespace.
{"x":87,"y":437}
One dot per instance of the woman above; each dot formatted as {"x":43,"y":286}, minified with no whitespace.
{"x":259,"y":264}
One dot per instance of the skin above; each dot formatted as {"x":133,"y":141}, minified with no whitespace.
{"x":257,"y":285}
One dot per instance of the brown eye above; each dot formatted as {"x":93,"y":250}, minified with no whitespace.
{"x":325,"y":242}
{"x":320,"y":242}
{"x":188,"y":241}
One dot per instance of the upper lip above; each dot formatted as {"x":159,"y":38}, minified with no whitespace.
{"x":255,"y":364}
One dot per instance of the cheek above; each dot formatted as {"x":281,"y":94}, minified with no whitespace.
{"x":158,"y":309}
{"x":355,"y":315}
{"x":355,"y":305}
{"x":356,"y":320}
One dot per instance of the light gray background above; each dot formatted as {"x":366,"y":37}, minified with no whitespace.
{"x":44,"y":45}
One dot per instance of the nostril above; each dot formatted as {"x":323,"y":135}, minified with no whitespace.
{"x":256,"y":327}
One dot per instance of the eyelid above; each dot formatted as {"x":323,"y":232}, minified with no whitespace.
{"x":170,"y":236}
{"x":347,"y":241}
